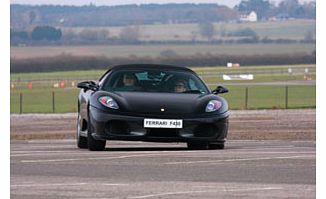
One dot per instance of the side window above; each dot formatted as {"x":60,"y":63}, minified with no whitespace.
{"x":103,"y":78}
{"x":109,"y":83}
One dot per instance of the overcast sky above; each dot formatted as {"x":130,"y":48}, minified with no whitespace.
{"x":230,"y":3}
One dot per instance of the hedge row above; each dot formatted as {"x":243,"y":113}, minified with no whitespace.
{"x":70,"y":63}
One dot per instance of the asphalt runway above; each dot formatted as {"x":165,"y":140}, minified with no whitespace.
{"x":135,"y":170}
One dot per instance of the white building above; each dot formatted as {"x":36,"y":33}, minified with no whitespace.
{"x":249,"y":17}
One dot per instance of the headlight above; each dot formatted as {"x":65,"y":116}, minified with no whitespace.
{"x":213,"y":105}
{"x":108,"y":102}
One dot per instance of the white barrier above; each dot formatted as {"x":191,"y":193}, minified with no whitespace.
{"x":239,"y":77}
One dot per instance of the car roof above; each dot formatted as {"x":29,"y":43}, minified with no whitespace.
{"x":147,"y":66}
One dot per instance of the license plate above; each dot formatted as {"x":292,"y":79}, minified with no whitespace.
{"x":162,"y":123}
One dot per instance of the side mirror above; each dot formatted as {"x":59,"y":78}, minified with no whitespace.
{"x":220,"y":90}
{"x":88,"y":85}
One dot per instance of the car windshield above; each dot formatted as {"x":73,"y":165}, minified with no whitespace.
{"x":154,"y":81}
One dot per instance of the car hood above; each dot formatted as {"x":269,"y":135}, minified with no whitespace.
{"x":168,"y":104}
{"x":159,"y":102}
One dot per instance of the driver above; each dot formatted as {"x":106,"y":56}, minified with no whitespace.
{"x":129,"y":79}
{"x":130,"y":83}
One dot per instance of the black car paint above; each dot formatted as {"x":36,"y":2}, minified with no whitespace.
{"x":133,"y":102}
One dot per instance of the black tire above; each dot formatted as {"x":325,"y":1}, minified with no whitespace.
{"x":81,"y":140}
{"x":197,"y":145}
{"x":93,"y":144}
{"x":218,"y":146}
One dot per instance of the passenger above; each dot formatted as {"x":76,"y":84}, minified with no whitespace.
{"x":180,"y":86}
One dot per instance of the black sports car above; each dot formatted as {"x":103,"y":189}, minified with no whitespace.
{"x":147,"y":102}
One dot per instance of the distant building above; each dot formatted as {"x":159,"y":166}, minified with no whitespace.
{"x":283,"y":16}
{"x":248,"y":16}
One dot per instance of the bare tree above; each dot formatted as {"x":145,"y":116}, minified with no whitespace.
{"x":207,"y":30}
{"x":193,"y":36}
{"x":309,"y":36}
{"x":130,"y":34}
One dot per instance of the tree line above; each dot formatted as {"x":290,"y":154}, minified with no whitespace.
{"x":23,"y":16}
{"x":39,"y":33}
{"x":47,"y":35}
{"x":71,"y":63}
{"x":51,"y":35}
{"x":285,"y":9}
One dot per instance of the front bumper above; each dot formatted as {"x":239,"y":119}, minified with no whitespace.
{"x":109,"y":126}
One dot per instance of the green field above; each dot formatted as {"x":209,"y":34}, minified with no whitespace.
{"x":271,"y":97}
{"x":259,"y":97}
{"x":155,"y":50}
{"x":271,"y":71}
{"x":40,"y":99}
{"x":291,"y":29}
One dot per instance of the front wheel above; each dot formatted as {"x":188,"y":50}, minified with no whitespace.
{"x":93,"y":144}
{"x":81,"y":140}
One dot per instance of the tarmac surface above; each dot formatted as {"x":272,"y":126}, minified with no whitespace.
{"x":134,"y":170}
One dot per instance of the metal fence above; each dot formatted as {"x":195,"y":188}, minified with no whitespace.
{"x":239,"y":97}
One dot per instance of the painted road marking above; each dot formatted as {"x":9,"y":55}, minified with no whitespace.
{"x":82,"y":159}
{"x":207,"y":191}
{"x":239,"y":159}
{"x":46,"y":147}
{"x":173,"y":150}
{"x":66,"y":184}
{"x":177,"y":154}
{"x":45,"y":185}
{"x":139,"y":153}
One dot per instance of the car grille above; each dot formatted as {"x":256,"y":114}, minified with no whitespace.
{"x":162,"y":133}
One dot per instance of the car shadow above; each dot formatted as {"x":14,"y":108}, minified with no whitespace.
{"x":148,"y":149}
